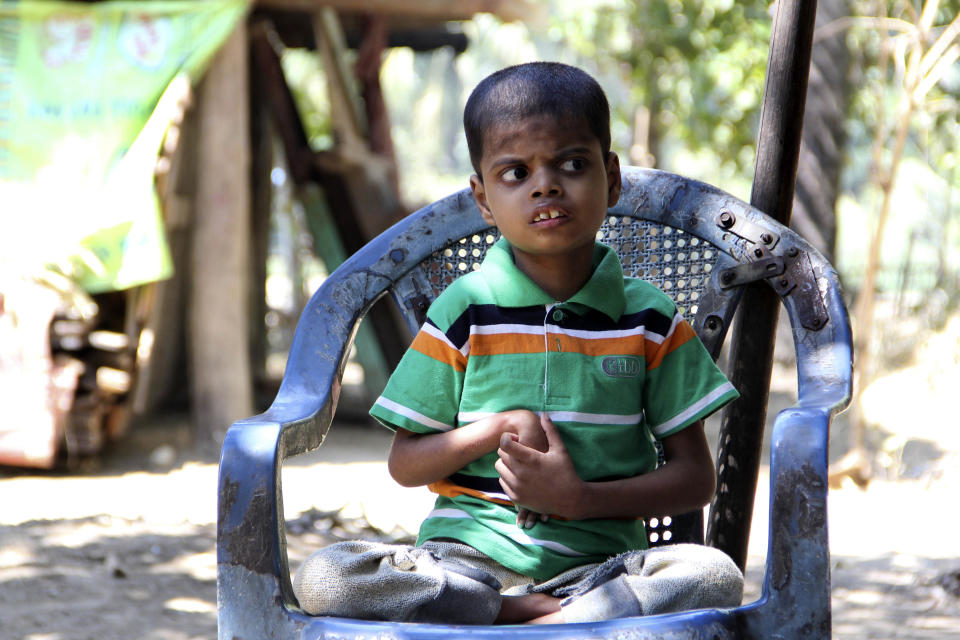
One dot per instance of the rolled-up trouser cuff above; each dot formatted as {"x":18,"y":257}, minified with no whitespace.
{"x":613,"y":599}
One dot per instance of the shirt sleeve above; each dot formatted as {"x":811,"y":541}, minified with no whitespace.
{"x":423,"y":394}
{"x":683,"y":384}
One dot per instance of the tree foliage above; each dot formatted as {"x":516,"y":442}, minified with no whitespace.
{"x":697,"y":66}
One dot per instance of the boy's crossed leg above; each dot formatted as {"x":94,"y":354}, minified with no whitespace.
{"x":452,"y":583}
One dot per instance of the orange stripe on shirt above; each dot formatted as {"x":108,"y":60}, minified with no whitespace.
{"x":682,"y":333}
{"x":439,"y":350}
{"x":500,"y":343}
{"x":450,"y":490}
{"x":600,"y":346}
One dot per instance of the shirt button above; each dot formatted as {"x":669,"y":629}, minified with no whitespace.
{"x":557,"y":315}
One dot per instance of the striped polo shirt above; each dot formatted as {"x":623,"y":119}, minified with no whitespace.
{"x":615,"y":366}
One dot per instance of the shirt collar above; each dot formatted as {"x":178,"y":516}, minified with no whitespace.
{"x":511,"y":287}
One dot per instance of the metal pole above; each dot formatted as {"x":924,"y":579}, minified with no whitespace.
{"x":754,"y":331}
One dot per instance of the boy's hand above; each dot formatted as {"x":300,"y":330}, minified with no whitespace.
{"x":539,"y":482}
{"x":526,"y":426}
{"x":527,"y":518}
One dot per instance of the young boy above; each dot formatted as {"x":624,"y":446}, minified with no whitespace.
{"x":530,"y":399}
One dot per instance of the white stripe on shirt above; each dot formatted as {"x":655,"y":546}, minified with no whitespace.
{"x":591,"y":334}
{"x":523,"y":538}
{"x":495,"y":329}
{"x":585,"y":334}
{"x":692,"y":410}
{"x":516,"y":536}
{"x":431,"y":330}
{"x":449,"y":513}
{"x":466,"y":417}
{"x":407,"y":412}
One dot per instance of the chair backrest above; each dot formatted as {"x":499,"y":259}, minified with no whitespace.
{"x":678,"y":262}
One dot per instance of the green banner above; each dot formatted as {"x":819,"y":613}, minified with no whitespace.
{"x":81,"y":123}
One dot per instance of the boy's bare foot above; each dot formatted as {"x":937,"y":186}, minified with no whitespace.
{"x":551,"y":618}
{"x":529,"y":608}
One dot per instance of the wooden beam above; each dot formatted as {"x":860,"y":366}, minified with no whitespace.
{"x":433,"y":9}
{"x":281,"y":105}
{"x":261,"y":195}
{"x":295,"y":29}
{"x":220,"y":380}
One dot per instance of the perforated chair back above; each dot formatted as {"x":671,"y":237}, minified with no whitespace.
{"x":697,"y":243}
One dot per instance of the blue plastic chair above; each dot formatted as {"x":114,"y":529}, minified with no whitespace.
{"x":699,"y":244}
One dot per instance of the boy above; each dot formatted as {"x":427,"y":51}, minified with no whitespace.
{"x":530,"y":398}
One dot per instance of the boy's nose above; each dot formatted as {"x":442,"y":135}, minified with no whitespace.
{"x":545,"y":184}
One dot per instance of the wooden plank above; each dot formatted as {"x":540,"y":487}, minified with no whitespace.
{"x":433,"y":9}
{"x":367,"y":67}
{"x":346,"y":111}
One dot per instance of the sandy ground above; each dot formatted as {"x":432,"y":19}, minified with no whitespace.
{"x":126,"y":551}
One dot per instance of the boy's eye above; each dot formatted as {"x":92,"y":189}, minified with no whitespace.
{"x":514,"y":174}
{"x":572,"y":164}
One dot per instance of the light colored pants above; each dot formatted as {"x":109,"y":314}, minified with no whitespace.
{"x":452,"y":583}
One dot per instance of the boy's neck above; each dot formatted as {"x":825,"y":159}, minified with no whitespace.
{"x":559,"y":276}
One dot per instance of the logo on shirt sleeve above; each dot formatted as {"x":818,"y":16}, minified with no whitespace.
{"x":622,"y":366}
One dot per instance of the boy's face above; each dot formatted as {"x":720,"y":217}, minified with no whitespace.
{"x":547,"y":186}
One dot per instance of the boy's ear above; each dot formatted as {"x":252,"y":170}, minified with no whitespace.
{"x":480,"y":197}
{"x":614,"y":183}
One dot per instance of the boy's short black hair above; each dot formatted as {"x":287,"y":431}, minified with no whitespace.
{"x":535,"y":88}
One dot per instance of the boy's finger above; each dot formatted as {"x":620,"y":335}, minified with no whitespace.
{"x":507,"y":477}
{"x":507,"y":488}
{"x":550,"y":430}
{"x":526,"y":518}
{"x":510,"y":448}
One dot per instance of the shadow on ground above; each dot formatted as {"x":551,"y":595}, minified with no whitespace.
{"x":102,"y":578}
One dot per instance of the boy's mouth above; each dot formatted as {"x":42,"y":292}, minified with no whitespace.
{"x":549,"y":214}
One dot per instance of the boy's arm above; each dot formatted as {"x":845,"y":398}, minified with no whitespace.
{"x":418,"y":459}
{"x":548,"y":483}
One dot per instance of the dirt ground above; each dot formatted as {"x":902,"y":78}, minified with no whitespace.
{"x":126,"y":550}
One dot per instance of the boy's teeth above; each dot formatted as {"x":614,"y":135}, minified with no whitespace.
{"x":547,"y":215}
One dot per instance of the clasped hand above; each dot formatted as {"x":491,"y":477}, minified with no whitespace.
{"x":538,"y":474}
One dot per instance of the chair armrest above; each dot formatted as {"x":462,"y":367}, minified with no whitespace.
{"x":796,"y":587}
{"x":252,"y":567}
{"x":253,"y":574}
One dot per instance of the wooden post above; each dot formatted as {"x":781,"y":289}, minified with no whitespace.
{"x":220,"y":379}
{"x":754,"y":331}
{"x":261,"y":190}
